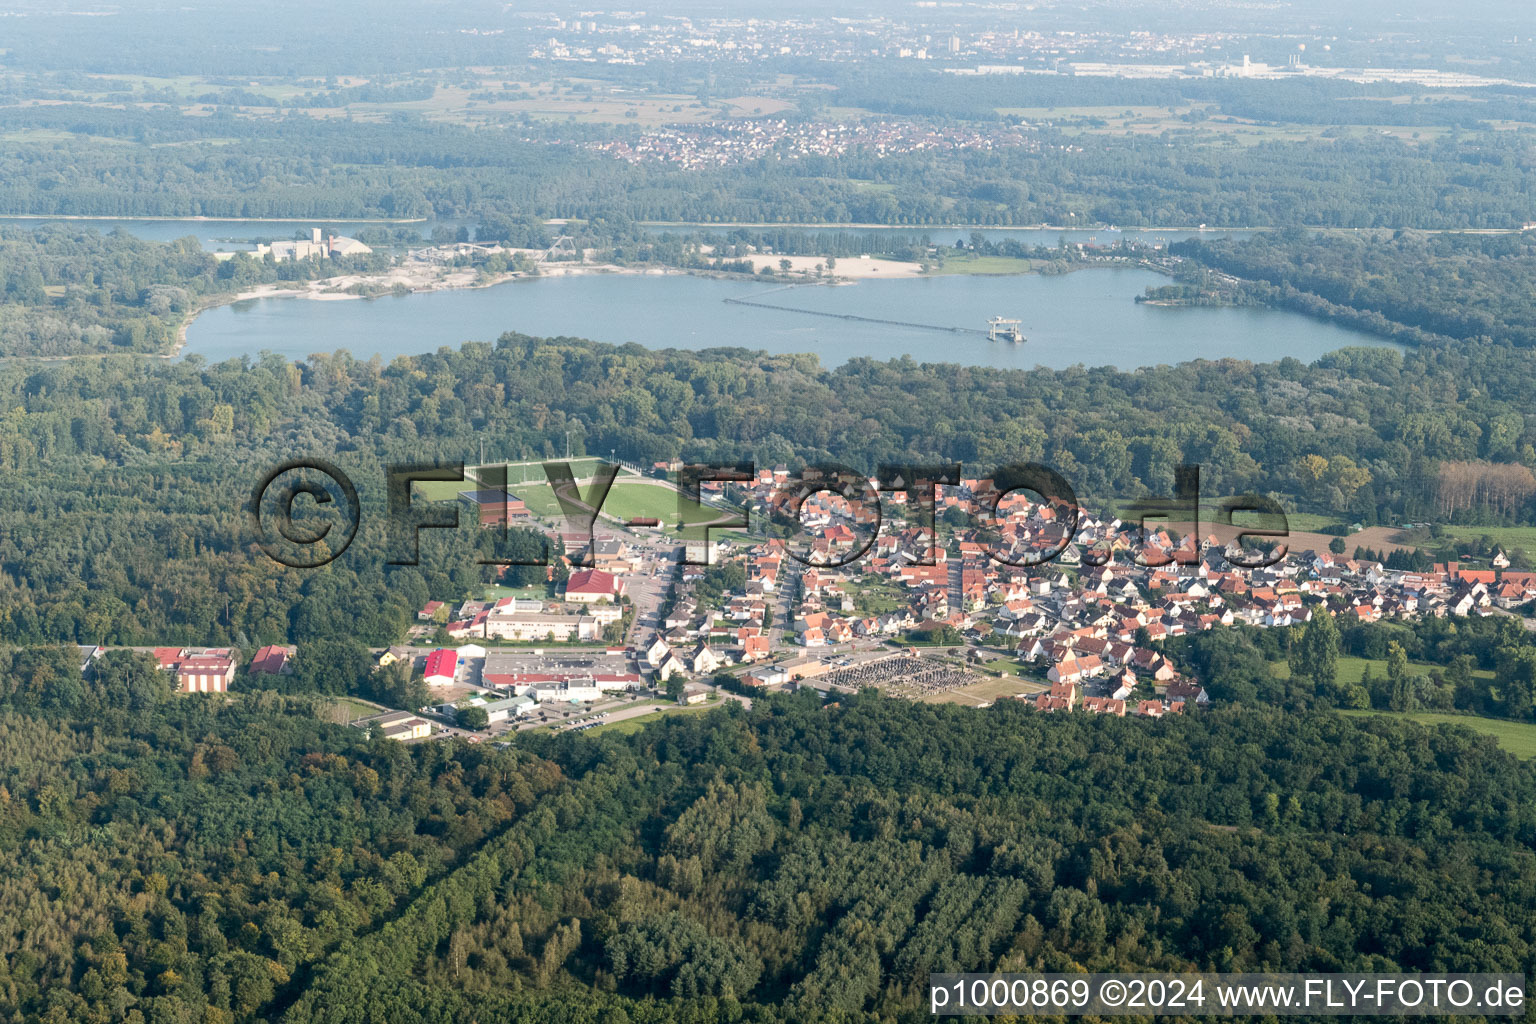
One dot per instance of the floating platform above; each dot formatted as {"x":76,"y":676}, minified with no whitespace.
{"x":1001,"y":328}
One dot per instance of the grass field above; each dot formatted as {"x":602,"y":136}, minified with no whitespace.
{"x":1005,"y":667}
{"x":1351,"y":670}
{"x":633,"y":725}
{"x":1212,"y":511}
{"x":876,"y":597}
{"x":628,"y":499}
{"x":524,"y":479}
{"x":1519,"y":738}
{"x":1311,"y":522}
{"x":984,"y":265}
{"x":1507,"y":537}
{"x":495,"y":592}
{"x":539,"y":497}
{"x":345,"y":709}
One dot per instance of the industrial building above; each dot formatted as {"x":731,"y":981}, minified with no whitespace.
{"x":319,"y":246}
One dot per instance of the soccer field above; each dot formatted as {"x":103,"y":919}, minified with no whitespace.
{"x":632,"y":498}
{"x":526,"y":480}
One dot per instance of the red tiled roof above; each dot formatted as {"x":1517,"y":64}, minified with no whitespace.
{"x":591,"y":581}
{"x":442,"y":662}
{"x":270,"y":660}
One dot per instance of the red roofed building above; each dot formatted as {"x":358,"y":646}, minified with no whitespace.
{"x":587,"y":586}
{"x":1073,"y":669}
{"x":754,"y":646}
{"x":209,"y":671}
{"x":1104,"y":706}
{"x":1066,"y":692}
{"x":442,"y":667}
{"x":272,"y":660}
{"x":205,"y":673}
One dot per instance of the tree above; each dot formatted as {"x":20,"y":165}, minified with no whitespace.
{"x":1336,"y":545}
{"x":132,"y":680}
{"x":1315,"y":655}
{"x":396,"y":686}
{"x":1400,"y":693}
{"x":675,"y":687}
{"x":332,"y":666}
{"x":473,"y":718}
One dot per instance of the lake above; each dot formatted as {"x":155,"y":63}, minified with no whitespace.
{"x":1088,"y":317}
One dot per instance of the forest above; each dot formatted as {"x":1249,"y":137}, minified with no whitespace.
{"x":232,"y":859}
{"x":1413,"y":285}
{"x":1301,"y":101}
{"x":76,"y":159}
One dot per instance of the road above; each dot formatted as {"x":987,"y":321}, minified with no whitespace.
{"x":647,"y":590}
{"x":786,"y":591}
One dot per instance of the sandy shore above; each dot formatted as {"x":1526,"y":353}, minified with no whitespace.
{"x":848,"y":267}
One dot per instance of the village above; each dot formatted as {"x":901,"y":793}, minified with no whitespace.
{"x":647,"y":622}
{"x":726,"y":143}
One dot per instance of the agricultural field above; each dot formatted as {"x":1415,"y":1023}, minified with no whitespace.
{"x":1160,"y":121}
{"x":572,"y":100}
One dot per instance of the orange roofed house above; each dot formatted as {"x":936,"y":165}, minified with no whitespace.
{"x":209,"y":671}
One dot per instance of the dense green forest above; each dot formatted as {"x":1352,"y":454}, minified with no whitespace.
{"x":1414,"y":286}
{"x":232,"y":859}
{"x":298,"y":166}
